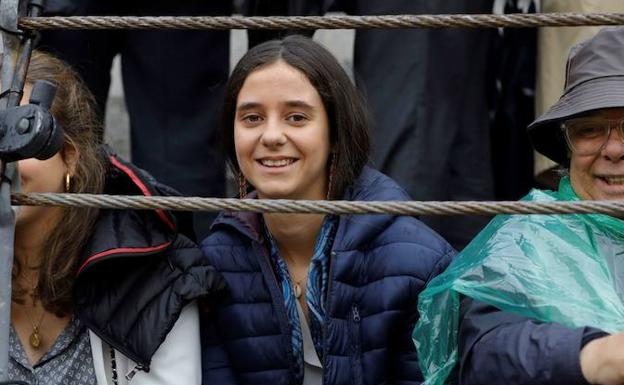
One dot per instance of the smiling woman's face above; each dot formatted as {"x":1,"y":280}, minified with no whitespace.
{"x":601,"y":175}
{"x":281,"y":134}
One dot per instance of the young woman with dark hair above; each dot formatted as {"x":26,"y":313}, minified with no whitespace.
{"x":100,"y":296}
{"x":313,"y":299}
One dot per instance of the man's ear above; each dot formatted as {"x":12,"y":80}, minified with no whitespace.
{"x":70,"y":156}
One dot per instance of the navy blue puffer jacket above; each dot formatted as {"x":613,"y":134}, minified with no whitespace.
{"x":379,"y":264}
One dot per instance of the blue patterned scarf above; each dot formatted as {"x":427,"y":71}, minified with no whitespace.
{"x":316,"y":291}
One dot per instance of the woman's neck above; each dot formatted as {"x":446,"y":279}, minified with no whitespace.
{"x":30,"y":240}
{"x":295,"y":235}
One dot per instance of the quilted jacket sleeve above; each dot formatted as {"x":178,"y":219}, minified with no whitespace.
{"x":498,"y":347}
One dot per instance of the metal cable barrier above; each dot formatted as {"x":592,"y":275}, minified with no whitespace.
{"x":321,"y":22}
{"x":324,"y":22}
{"x":17,"y":44}
{"x":614,"y":208}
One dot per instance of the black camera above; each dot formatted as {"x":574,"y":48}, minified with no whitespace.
{"x":30,"y":131}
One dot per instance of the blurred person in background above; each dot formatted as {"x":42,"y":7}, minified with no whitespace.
{"x":173,"y":83}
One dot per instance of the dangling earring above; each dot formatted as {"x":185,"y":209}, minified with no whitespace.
{"x":67,"y":183}
{"x":242,"y":185}
{"x":332,"y":172}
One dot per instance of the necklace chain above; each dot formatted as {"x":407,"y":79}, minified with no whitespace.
{"x":299,"y":281}
{"x":297,"y":289}
{"x":35,"y":338}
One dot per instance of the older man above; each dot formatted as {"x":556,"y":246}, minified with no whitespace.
{"x":541,"y":295}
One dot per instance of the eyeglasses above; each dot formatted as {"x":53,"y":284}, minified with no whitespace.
{"x":588,"y":135}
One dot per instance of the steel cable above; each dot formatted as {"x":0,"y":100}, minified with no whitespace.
{"x":323,"y":22}
{"x":614,"y":208}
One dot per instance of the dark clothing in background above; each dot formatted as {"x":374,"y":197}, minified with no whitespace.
{"x":173,"y":84}
{"x":512,"y":103}
{"x":279,"y":8}
{"x":426,"y":89}
{"x":438,"y":129}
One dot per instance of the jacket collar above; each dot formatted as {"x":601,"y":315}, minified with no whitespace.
{"x":246,"y":223}
{"x":137,"y":179}
{"x":353,"y":230}
{"x":150,"y":231}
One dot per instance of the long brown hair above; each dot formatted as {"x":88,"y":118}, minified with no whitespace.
{"x":345,"y":106}
{"x":74,"y":110}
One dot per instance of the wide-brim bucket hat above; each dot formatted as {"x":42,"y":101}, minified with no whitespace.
{"x":594,"y":80}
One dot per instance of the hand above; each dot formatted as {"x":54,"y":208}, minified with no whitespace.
{"x":602,"y":360}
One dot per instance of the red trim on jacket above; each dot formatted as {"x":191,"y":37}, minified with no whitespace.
{"x":124,"y":250}
{"x":161,"y":213}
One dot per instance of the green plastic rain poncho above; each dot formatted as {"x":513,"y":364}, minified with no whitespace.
{"x":567,"y":269}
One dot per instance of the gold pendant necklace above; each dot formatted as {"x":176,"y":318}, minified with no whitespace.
{"x":35,"y":338}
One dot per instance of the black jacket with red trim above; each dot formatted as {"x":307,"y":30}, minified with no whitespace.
{"x":138,"y":270}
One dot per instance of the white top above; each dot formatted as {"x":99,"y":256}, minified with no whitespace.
{"x":312,"y":368}
{"x":176,"y":361}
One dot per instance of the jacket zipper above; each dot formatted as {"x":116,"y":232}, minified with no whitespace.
{"x":357,"y":345}
{"x":280,"y":300}
{"x":139,"y":366}
{"x":329,"y":285}
{"x":133,"y":372}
